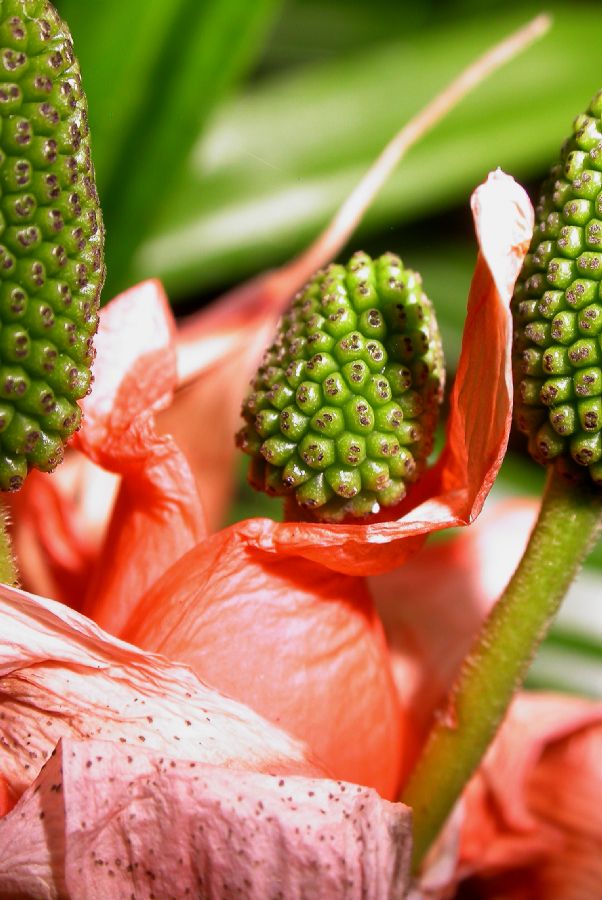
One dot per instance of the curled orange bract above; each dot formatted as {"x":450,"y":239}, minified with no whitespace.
{"x":286,"y":597}
{"x":285,"y":661}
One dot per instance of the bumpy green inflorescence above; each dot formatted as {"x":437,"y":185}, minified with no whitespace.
{"x":342,"y":411}
{"x":51,"y":240}
{"x":557,"y":309}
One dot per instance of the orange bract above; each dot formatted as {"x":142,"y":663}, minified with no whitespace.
{"x":252,"y":609}
{"x":272,"y":615}
{"x":532,"y":814}
{"x":298,"y":643}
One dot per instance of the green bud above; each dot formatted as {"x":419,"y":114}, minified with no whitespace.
{"x":341,"y":412}
{"x":51,"y":240}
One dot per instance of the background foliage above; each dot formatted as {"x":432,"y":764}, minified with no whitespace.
{"x":226,"y":132}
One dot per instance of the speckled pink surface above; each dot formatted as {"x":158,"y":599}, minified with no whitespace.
{"x":137,"y":780}
{"x":105,"y":822}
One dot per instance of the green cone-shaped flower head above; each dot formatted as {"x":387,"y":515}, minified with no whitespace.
{"x":51,"y":240}
{"x":342,"y":411}
{"x":557,"y":309}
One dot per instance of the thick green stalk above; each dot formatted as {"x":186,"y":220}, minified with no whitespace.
{"x":569,"y":521}
{"x":8,"y":571}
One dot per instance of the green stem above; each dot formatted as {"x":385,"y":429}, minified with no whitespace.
{"x":8,"y":570}
{"x":569,"y":521}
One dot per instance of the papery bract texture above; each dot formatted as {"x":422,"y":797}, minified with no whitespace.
{"x":138,"y":780}
{"x":57,"y":526}
{"x":299,"y":643}
{"x":157,"y":514}
{"x":205,"y":413}
{"x":62,"y":676}
{"x":101,"y":823}
{"x":7,"y":800}
{"x":532,"y":820}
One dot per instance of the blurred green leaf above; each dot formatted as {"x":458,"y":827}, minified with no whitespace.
{"x":559,"y":669}
{"x":521,"y":476}
{"x":154,"y":71}
{"x":280,"y":157}
{"x":118,"y":45}
{"x":584,"y":645}
{"x":318,"y":29}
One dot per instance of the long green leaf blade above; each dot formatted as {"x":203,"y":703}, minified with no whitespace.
{"x":154,"y":72}
{"x":282,"y":156}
